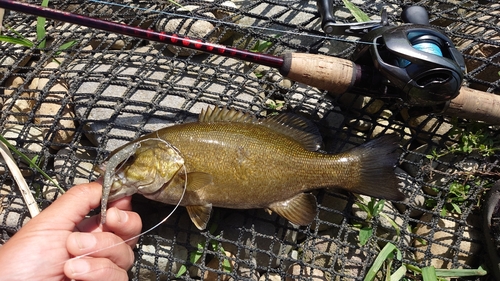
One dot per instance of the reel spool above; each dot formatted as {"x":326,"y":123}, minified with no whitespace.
{"x":419,"y":63}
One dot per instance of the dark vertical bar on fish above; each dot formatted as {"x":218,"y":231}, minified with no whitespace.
{"x":147,"y":34}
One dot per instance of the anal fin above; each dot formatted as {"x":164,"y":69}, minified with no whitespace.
{"x":300,"y":209}
{"x":200,"y":215}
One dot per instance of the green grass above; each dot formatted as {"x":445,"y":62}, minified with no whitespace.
{"x":33,"y":163}
{"x":195,"y":256}
{"x":372,"y":209}
{"x":359,"y":15}
{"x":41,"y":34}
{"x":383,"y":265}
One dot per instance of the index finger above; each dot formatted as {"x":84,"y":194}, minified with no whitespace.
{"x":72,"y":207}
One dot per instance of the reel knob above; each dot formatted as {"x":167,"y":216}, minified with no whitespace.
{"x":415,"y":14}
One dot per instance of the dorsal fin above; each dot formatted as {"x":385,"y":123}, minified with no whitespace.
{"x":224,"y":114}
{"x":294,"y":126}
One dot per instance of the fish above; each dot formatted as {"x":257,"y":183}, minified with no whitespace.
{"x":232,"y":159}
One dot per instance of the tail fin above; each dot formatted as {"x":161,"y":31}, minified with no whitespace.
{"x":376,"y":168}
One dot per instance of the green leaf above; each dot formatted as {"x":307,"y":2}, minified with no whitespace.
{"x":363,"y":207}
{"x":480,"y":271}
{"x":378,"y":207}
{"x":34,"y":162}
{"x":429,"y":273}
{"x":399,"y":273}
{"x":456,"y":208}
{"x":67,"y":45}
{"x":30,"y":162}
{"x":379,"y":261}
{"x":359,"y":15}
{"x":40,"y":27}
{"x":364,"y":234}
{"x":18,"y":41}
{"x":196,"y":256}
{"x":182,"y":270}
{"x":226,"y":265}
{"x":393,"y":223}
{"x":193,"y":258}
{"x":444,"y":212}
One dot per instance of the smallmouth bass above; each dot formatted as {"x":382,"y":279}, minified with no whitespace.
{"x":231,"y":159}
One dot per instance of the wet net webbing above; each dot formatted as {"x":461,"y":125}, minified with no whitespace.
{"x":68,"y":107}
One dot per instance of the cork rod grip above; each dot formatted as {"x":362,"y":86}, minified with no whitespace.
{"x":477,"y":105}
{"x":327,"y":73}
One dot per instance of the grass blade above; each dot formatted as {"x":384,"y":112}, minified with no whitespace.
{"x":40,"y":27}
{"x":359,"y":15}
{"x":18,"y":177}
{"x":398,"y":274}
{"x":364,"y":234}
{"x":18,"y":41}
{"x":429,"y":273}
{"x":379,"y":261}
{"x":30,"y":162}
{"x":67,"y":45}
{"x":480,"y":271}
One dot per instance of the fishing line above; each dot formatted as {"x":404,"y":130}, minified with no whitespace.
{"x":231,"y":24}
{"x":156,"y":225}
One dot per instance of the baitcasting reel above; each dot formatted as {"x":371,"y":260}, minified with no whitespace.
{"x":419,"y":64}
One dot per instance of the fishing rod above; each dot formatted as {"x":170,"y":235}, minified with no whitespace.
{"x":391,"y":67}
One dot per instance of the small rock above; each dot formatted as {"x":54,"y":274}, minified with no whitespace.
{"x":313,"y":274}
{"x":217,"y":264}
{"x":74,"y":167}
{"x":365,"y":104}
{"x":247,"y":270}
{"x":111,"y":41}
{"x":19,"y":58}
{"x":26,"y":140}
{"x":321,"y":251}
{"x":429,"y":128}
{"x":274,"y":237}
{"x":415,"y":200}
{"x":222,"y":13}
{"x":49,"y":191}
{"x":362,"y":124}
{"x":160,"y":258}
{"x":14,"y":214}
{"x":270,"y":277}
{"x":17,"y":108}
{"x":456,"y":242}
{"x":385,"y":127}
{"x":330,"y":210}
{"x":56,"y":104}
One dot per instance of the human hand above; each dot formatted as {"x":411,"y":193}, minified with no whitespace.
{"x":43,"y":248}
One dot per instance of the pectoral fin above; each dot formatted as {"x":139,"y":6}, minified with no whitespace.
{"x":200,"y":215}
{"x":300,"y":209}
{"x":197,"y":180}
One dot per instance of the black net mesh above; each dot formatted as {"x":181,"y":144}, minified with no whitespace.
{"x":69,"y":107}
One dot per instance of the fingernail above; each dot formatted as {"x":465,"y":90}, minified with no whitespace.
{"x":79,"y":266}
{"x":122,"y":215}
{"x":85,"y":240}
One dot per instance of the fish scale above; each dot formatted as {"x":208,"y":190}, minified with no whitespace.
{"x":233,"y":160}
